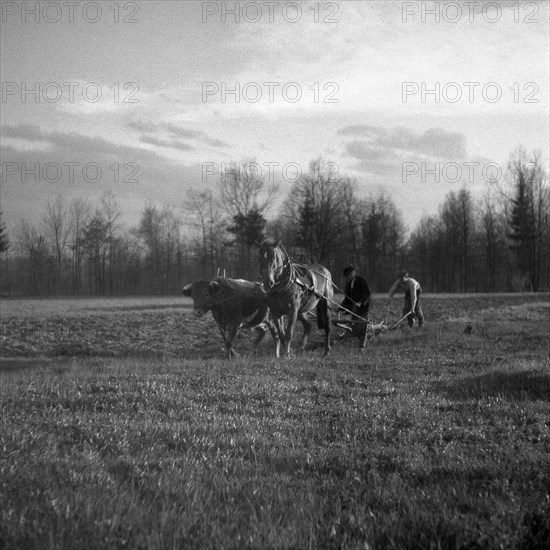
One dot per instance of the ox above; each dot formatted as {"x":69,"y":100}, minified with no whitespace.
{"x":235,"y":304}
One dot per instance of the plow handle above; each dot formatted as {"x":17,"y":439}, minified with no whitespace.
{"x":402,"y":319}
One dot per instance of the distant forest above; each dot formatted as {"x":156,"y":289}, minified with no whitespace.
{"x":498,"y":242}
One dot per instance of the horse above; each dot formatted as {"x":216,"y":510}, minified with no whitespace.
{"x":294,"y":289}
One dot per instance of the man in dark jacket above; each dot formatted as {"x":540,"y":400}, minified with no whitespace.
{"x":357,"y":299}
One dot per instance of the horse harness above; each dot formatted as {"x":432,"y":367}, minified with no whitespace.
{"x":300,"y":275}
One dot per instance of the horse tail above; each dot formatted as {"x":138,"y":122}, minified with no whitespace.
{"x":329,"y":287}
{"x":323,"y":321}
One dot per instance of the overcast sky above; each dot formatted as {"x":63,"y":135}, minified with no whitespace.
{"x":345,"y":82}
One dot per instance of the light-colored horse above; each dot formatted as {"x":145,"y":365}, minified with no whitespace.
{"x":294,"y":290}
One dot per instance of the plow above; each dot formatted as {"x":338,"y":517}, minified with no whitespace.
{"x":372,"y":329}
{"x":349,"y":327}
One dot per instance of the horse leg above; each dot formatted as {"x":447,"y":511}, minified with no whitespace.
{"x":229,"y":342}
{"x":222,"y":332}
{"x":275,"y":335}
{"x":307,"y":329}
{"x":326,"y":321}
{"x":222,"y":325}
{"x":280,"y":336}
{"x":292,"y":316}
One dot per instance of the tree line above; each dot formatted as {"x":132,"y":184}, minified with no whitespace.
{"x":498,"y":243}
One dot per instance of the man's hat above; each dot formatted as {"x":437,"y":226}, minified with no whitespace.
{"x":348,"y":270}
{"x":402,"y":274}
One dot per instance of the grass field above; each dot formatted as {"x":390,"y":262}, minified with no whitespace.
{"x":122,"y":427}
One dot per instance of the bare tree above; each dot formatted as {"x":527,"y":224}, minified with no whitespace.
{"x":111,"y":213}
{"x":492,"y":236}
{"x":383,"y":234}
{"x":428,"y":253}
{"x":95,"y":238}
{"x":467,"y":232}
{"x":246,"y":197}
{"x":316,"y":212}
{"x":352,"y":212}
{"x":243,"y":189}
{"x":5,"y":280}
{"x":205,"y":216}
{"x":160,"y":233}
{"x":34,"y":252}
{"x":57,"y":226}
{"x":80,"y":213}
{"x":457,"y":218}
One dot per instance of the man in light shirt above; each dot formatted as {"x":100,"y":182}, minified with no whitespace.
{"x":412,"y":297}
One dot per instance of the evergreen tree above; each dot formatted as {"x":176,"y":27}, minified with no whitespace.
{"x":248,"y":228}
{"x":4,"y":241}
{"x":522,"y":232}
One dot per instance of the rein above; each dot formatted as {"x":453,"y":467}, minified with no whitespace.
{"x":282,"y":285}
{"x":336,"y":287}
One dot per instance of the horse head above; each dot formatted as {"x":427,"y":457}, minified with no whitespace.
{"x":272,"y":263}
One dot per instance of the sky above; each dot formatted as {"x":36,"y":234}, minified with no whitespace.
{"x":150,"y":99}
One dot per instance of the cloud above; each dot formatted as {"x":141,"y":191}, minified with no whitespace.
{"x":381,"y":154}
{"x":180,"y":132}
{"x":173,"y":134}
{"x":373,"y":159}
{"x":72,"y":143}
{"x":170,"y":143}
{"x":80,"y":97}
{"x":378,"y":142}
{"x":135,"y":174}
{"x":141,"y":126}
{"x":363,"y":150}
{"x":417,"y":169}
{"x":29,"y":132}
